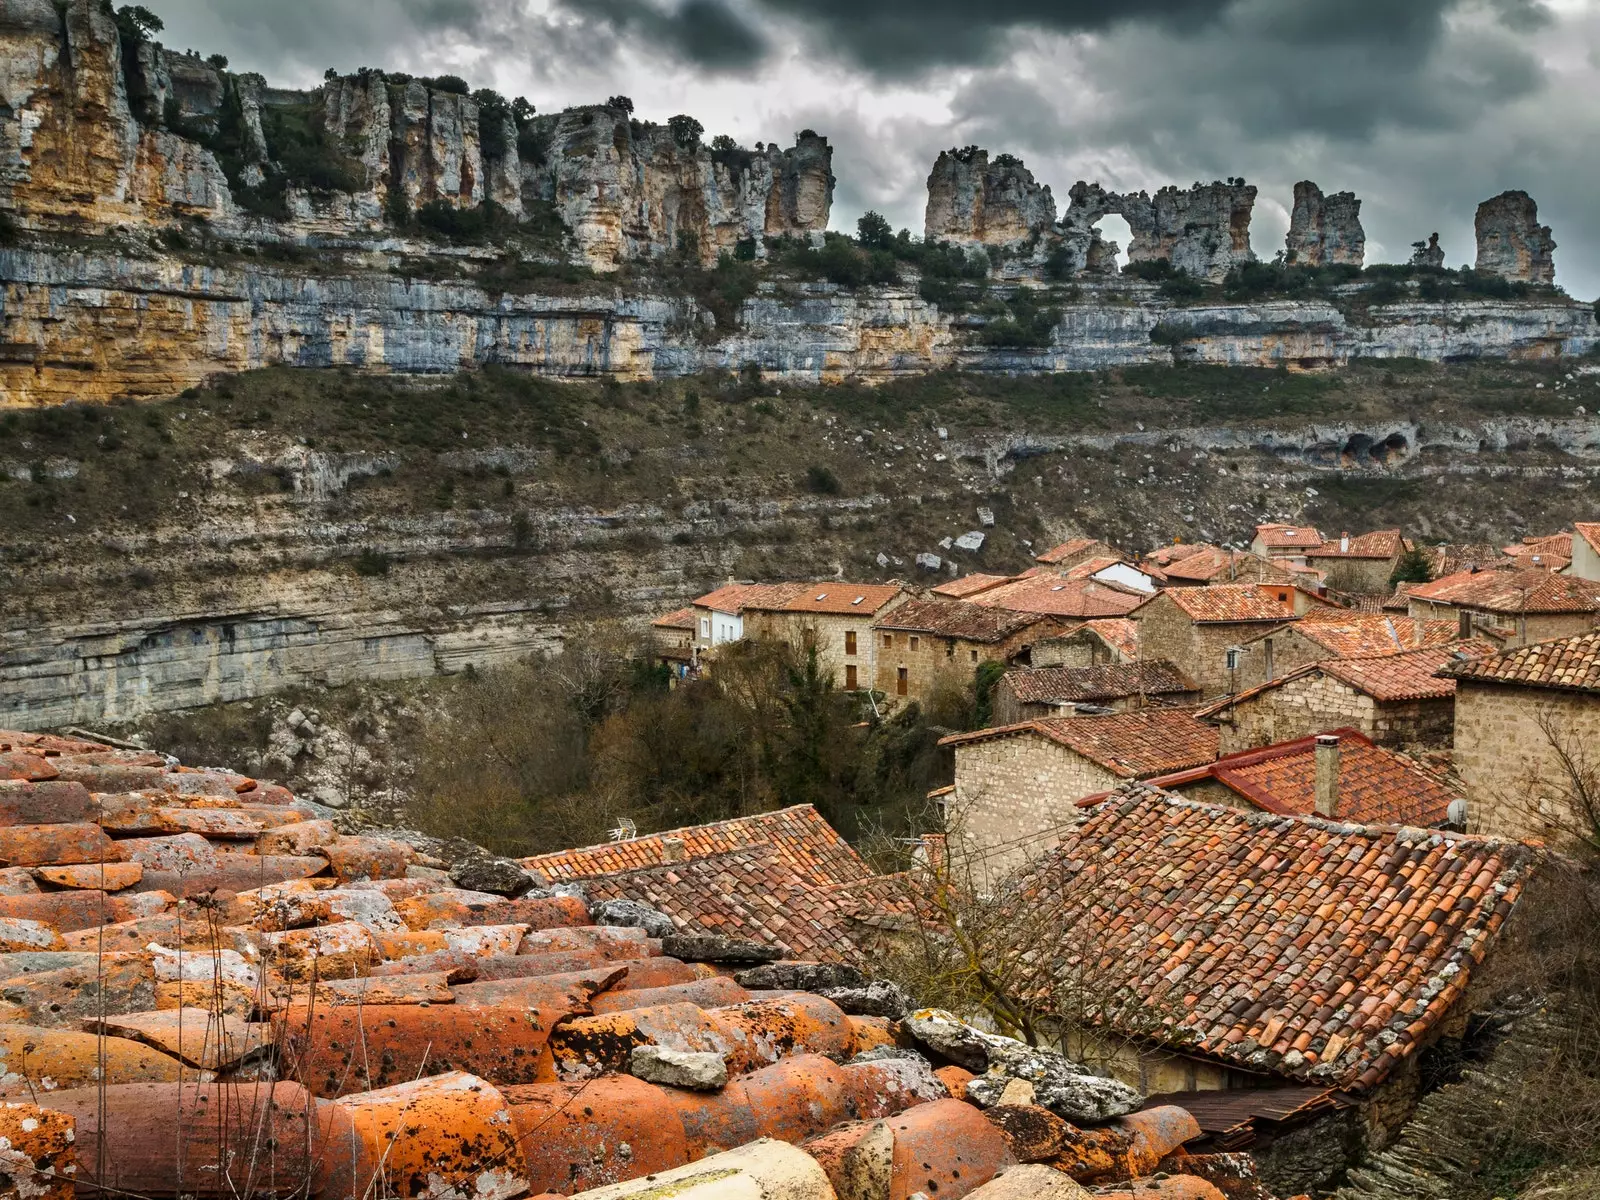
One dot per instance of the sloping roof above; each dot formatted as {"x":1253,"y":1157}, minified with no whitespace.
{"x":1212,"y":564}
{"x":959,"y":619}
{"x":1589,"y":531}
{"x":1286,"y":537}
{"x":1568,"y":664}
{"x":1345,"y":633}
{"x":1558,"y":545}
{"x":1310,"y":949}
{"x":683,"y":618}
{"x":1120,"y":633}
{"x":1515,"y":592}
{"x":1070,"y":549}
{"x":1382,"y":544}
{"x":1165,"y":556}
{"x":1221,"y":603}
{"x":736,"y":597}
{"x":1086,"y":685}
{"x":1376,"y":786}
{"x":841,"y":599}
{"x":1055,"y":596}
{"x":1408,"y":675}
{"x":747,"y":893}
{"x":969,"y":585}
{"x":1451,"y":557}
{"x":803,"y":841}
{"x":1131,"y":745}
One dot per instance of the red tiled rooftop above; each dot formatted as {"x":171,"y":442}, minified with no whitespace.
{"x":969,"y":585}
{"x":1087,"y":685}
{"x":1383,"y":544}
{"x":1120,"y":633}
{"x":1283,"y":944}
{"x":1213,"y":565}
{"x":683,"y":618}
{"x":1165,"y":556}
{"x":959,"y":619}
{"x":1345,"y":633}
{"x":1229,"y":602}
{"x":1054,"y":596}
{"x":1589,"y":531}
{"x":840,"y":599}
{"x":1284,"y":537}
{"x":1131,"y":745}
{"x":1555,"y":545}
{"x":1408,"y":675}
{"x":1567,"y":664}
{"x":1070,"y":549}
{"x":736,"y":597}
{"x":1517,"y":592}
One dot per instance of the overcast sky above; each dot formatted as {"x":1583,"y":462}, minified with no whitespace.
{"x":1421,"y":107}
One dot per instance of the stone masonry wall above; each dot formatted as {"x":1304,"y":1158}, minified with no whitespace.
{"x":1014,"y":797}
{"x":1200,"y":651}
{"x":1512,"y":774}
{"x":1316,"y":703}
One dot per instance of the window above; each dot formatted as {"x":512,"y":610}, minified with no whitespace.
{"x":850,"y":677}
{"x":888,"y":641}
{"x":902,"y":680}
{"x":1233,"y":659}
{"x":974,"y":656}
{"x":850,"y":642}
{"x":916,"y":642}
{"x":705,"y":626}
{"x":949,"y":649}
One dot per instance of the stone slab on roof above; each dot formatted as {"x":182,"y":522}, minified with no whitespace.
{"x":959,"y":619}
{"x":1305,"y":948}
{"x":1132,"y":745}
{"x":1086,"y":685}
{"x":1567,"y":664}
{"x":1518,"y":592}
{"x":801,"y":838}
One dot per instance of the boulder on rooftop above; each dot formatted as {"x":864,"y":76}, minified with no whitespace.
{"x":697,"y":1070}
{"x":802,"y":976}
{"x":713,"y":948}
{"x":632,"y":913}
{"x":876,"y":998}
{"x":761,"y":1170}
{"x":501,"y":876}
{"x":1064,"y":1087}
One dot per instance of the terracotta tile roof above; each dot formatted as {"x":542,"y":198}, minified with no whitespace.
{"x":1087,"y":685}
{"x":1376,"y":786}
{"x":752,"y":893}
{"x":1165,"y":556}
{"x":1305,"y":948}
{"x":1569,"y":664}
{"x":1557,"y":545}
{"x":960,"y":619}
{"x":1348,"y":634}
{"x":1214,"y":565}
{"x":1055,"y":596}
{"x":1385,"y":543}
{"x":1450,"y":558}
{"x":969,"y":585}
{"x":840,"y":599}
{"x":803,"y":841}
{"x":1228,"y":602}
{"x":736,"y":597}
{"x":1121,"y":634}
{"x":1589,"y":531}
{"x":683,"y":618}
{"x":1286,"y":537}
{"x":1071,"y":549}
{"x":1091,"y":566}
{"x":1132,"y":745}
{"x":1516,"y":592}
{"x":1408,"y":675}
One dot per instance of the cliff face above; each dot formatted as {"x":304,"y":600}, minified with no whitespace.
{"x":630,"y":190}
{"x":1512,"y":243}
{"x":1325,"y":230}
{"x":975,"y":202}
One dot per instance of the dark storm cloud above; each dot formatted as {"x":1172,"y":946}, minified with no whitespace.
{"x":703,"y":32}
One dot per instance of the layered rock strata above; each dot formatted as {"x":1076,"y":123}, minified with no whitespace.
{"x":973,"y":201}
{"x":1203,"y":231}
{"x":1325,"y":230}
{"x":1511,"y":242}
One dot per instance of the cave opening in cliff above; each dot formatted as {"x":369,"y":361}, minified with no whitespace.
{"x":1114,"y":228}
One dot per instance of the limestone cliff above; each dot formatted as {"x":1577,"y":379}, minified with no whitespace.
{"x":1511,"y":242}
{"x":1325,"y":230}
{"x":1428,"y":253}
{"x":634,"y":190}
{"x":973,"y":201}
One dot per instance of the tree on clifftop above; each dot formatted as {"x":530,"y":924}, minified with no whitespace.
{"x":874,"y":232}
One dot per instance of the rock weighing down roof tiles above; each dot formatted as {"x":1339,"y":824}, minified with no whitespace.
{"x":802,"y":840}
{"x":1132,"y":745}
{"x":1086,"y":685}
{"x":1314,"y":950}
{"x":959,"y":619}
{"x":1513,"y":593}
{"x":1376,"y":786}
{"x":1566,"y":664}
{"x":1347,"y":634}
{"x":1223,"y":603}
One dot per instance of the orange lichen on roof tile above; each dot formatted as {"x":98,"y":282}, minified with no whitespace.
{"x":1522,"y":592}
{"x":969,"y":585}
{"x":1053,"y":596}
{"x":1345,"y":633}
{"x":1131,"y":745}
{"x":1222,"y":603}
{"x":1088,"y":685}
{"x":1320,"y":951}
{"x":1567,"y":664}
{"x":799,"y":836}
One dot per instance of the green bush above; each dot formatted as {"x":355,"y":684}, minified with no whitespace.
{"x":873,"y":232}
{"x":1029,"y":326}
{"x":371,"y":563}
{"x":469,"y":226}
{"x":453,"y":84}
{"x":822,"y":481}
{"x":685,"y":130}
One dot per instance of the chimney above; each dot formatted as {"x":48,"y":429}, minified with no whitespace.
{"x":1344,"y":542}
{"x":1327,"y":753}
{"x":1464,"y":624}
{"x":672,"y":849}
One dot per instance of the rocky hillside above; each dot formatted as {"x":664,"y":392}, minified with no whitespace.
{"x":307,"y":528}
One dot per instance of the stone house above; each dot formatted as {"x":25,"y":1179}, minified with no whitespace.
{"x":1326,"y":632}
{"x":1220,"y":930}
{"x":1585,"y":551}
{"x":1396,"y":700}
{"x":1029,"y":692}
{"x":1118,"y":572}
{"x":1524,"y":605}
{"x":1552,"y":551}
{"x":1095,"y":643}
{"x":1203,"y":631}
{"x":719,"y":615}
{"x":1069,"y":554}
{"x":1338,"y":774}
{"x":835,"y":617}
{"x":1285,"y":541}
{"x":1526,"y":719}
{"x":673,"y":637}
{"x":1211,"y":564}
{"x":922,"y":645}
{"x":1364,"y":563}
{"x":1017,"y":786}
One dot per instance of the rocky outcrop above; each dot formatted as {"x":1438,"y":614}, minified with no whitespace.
{"x":975,"y":202}
{"x":632,"y":190}
{"x":1428,"y":253}
{"x":1511,"y":242}
{"x":1325,"y":231}
{"x":1204,"y":231}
